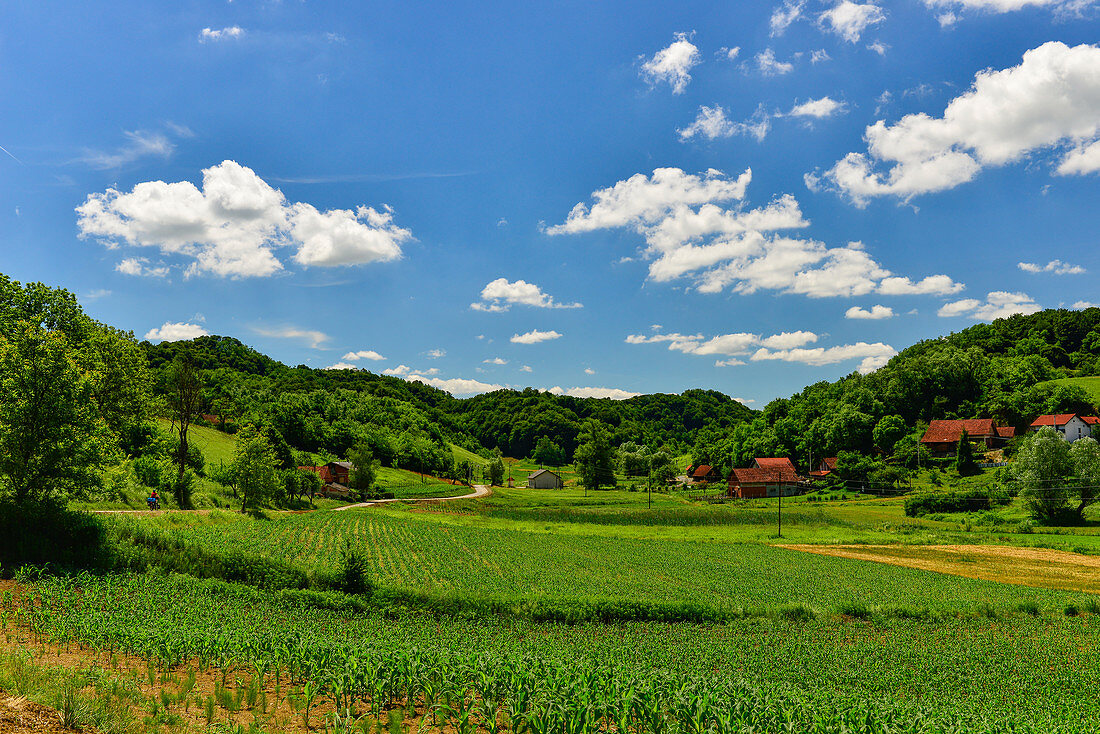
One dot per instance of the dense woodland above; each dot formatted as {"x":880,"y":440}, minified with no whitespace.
{"x":100,"y":388}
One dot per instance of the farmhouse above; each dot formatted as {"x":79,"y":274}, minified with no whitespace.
{"x":942,"y":436}
{"x":757,"y":482}
{"x":544,"y":479}
{"x":705,"y":473}
{"x":783,"y":465}
{"x":1070,"y":426}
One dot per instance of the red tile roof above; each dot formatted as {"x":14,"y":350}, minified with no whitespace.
{"x":1005,"y":431}
{"x":830,"y":461}
{"x":943,"y":431}
{"x":1059,"y":420}
{"x":781,"y":464}
{"x":703,"y":470}
{"x":756,"y":476}
{"x":1090,"y":419}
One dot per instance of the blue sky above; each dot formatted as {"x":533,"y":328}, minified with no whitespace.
{"x":597,"y":198}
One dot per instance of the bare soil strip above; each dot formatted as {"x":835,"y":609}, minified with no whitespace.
{"x":1039,"y":567}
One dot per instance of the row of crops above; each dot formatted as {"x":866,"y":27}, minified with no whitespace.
{"x":761,"y":675}
{"x":435,"y":555}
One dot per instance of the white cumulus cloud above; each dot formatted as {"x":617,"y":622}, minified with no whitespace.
{"x":673,"y":63}
{"x":495,"y":360}
{"x":174,"y":332}
{"x":501,"y":295}
{"x":949,"y":17}
{"x":363,"y":354}
{"x":785,"y":346}
{"x":818,"y":108}
{"x":534,"y":337}
{"x":140,"y":266}
{"x":770,"y":66}
{"x":399,"y":371}
{"x":235,"y":223}
{"x":207,"y":35}
{"x":1051,"y":100}
{"x":874,"y":314}
{"x":998,"y":305}
{"x":456,"y":385}
{"x":848,"y":19}
{"x":711,"y":123}
{"x":872,"y":356}
{"x":785,"y":14}
{"x":612,"y":393}
{"x":1079,"y":305}
{"x":695,"y":226}
{"x":1057,"y":267}
{"x":342,"y":366}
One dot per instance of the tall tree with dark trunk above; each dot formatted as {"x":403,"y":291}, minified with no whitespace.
{"x":184,"y":401}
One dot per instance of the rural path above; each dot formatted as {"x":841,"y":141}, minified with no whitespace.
{"x":480,"y":490}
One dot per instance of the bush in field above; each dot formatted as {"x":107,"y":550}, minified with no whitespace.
{"x":963,"y":499}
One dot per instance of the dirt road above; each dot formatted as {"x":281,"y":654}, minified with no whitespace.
{"x":480,"y":490}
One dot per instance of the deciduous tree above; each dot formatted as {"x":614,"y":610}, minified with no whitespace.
{"x":1041,"y":467}
{"x":52,"y":439}
{"x":594,"y":458}
{"x":254,"y":464}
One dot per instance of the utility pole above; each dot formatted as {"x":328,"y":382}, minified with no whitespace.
{"x":780,"y":510}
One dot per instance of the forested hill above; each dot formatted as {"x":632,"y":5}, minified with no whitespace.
{"x":1000,"y":370}
{"x":325,"y":409}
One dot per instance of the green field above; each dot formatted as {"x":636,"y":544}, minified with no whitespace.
{"x":1017,"y":674}
{"x":575,"y":560}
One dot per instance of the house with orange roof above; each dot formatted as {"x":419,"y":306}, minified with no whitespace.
{"x":1069,"y":426}
{"x":942,"y":436}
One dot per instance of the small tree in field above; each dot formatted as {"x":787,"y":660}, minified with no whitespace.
{"x":594,"y":458}
{"x":496,"y":472}
{"x":365,"y":466}
{"x":254,"y":463}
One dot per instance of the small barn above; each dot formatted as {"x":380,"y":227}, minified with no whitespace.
{"x":544,"y":479}
{"x":705,"y":473}
{"x":340,"y":471}
{"x":756,"y":482}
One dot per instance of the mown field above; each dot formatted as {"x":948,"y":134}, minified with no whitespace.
{"x":313,"y":655}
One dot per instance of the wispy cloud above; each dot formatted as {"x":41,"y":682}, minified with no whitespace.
{"x":315,"y":339}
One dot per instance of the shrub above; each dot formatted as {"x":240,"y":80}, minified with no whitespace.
{"x":963,"y":499}
{"x":354,"y":575}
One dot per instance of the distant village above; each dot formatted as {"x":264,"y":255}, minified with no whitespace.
{"x":778,"y":476}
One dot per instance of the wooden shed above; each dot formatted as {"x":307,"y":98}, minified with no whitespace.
{"x":544,"y":479}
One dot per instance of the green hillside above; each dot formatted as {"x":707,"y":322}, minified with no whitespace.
{"x":1091,"y":385}
{"x":215,"y":445}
